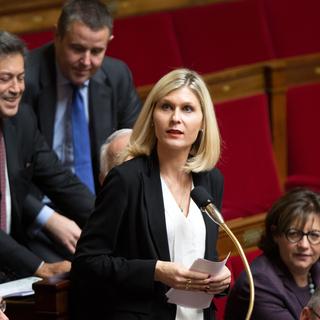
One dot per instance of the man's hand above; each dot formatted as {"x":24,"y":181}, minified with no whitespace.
{"x":63,"y":230}
{"x":50,"y":269}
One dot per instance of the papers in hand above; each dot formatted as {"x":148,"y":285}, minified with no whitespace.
{"x":18,"y":288}
{"x":196,"y":299}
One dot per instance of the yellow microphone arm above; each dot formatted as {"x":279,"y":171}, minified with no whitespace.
{"x":202,"y":199}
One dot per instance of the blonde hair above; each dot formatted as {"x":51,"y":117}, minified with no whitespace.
{"x":205,"y":152}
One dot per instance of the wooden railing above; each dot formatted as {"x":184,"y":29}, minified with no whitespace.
{"x":35,"y":15}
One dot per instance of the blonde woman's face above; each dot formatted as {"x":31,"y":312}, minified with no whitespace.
{"x":300,"y":256}
{"x":177,"y":120}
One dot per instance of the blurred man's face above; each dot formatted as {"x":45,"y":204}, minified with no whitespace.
{"x":80,"y":51}
{"x":11,"y":83}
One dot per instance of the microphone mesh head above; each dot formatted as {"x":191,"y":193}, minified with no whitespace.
{"x":200,"y":196}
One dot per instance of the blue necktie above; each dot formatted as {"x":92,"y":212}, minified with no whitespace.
{"x":81,"y":141}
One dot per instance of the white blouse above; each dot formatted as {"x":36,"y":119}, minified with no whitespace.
{"x":186,"y":239}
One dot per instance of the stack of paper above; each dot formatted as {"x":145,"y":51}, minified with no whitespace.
{"x":18,"y":288}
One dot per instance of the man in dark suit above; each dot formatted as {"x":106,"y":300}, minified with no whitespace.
{"x":25,"y":158}
{"x":77,"y":59}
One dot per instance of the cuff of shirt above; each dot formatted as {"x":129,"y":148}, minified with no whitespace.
{"x":41,"y":219}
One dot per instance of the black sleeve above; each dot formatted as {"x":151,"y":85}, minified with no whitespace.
{"x":22,"y":262}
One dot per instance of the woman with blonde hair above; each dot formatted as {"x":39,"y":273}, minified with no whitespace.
{"x":146,"y":231}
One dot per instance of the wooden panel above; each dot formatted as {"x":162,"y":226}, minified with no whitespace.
{"x":236,"y":82}
{"x":35,"y":15}
{"x":230,"y":83}
{"x":50,"y":301}
{"x":302,"y":69}
{"x":247,"y":230}
{"x":51,"y":298}
{"x":21,"y":308}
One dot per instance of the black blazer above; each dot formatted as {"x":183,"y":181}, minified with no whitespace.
{"x":29,"y":159}
{"x":113,"y":100}
{"x":113,"y":270}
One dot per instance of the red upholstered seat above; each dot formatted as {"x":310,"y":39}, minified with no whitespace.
{"x":222,"y":35}
{"x":294,"y":26}
{"x":303,"y":114}
{"x":37,"y":39}
{"x":147,"y":44}
{"x":247,"y":161}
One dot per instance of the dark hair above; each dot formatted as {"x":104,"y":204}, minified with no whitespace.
{"x":295,"y":206}
{"x":93,"y":13}
{"x":11,"y":44}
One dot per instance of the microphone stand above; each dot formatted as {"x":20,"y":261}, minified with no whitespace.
{"x":215,"y":215}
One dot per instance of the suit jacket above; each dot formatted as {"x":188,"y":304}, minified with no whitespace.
{"x":113,"y":270}
{"x":276,"y":294}
{"x":113,"y":100}
{"x":29,"y":159}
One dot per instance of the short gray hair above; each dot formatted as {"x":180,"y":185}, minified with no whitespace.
{"x":104,"y":164}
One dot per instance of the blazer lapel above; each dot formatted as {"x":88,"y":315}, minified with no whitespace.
{"x":102,"y":122}
{"x":289,"y":284}
{"x":155,"y":211}
{"x":47,"y":96}
{"x":13,"y":166}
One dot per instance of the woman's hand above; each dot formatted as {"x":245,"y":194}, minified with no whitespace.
{"x":178,"y":277}
{"x":219,"y":282}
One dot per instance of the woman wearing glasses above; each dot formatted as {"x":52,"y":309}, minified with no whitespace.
{"x":288,"y":271}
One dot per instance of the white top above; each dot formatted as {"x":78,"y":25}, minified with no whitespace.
{"x":186,"y":239}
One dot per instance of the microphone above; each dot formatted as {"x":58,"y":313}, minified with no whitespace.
{"x":203,"y":200}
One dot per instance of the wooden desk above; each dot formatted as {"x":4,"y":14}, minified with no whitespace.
{"x":50,"y":301}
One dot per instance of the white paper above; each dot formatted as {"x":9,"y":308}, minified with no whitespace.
{"x":18,"y":288}
{"x":196,"y":299}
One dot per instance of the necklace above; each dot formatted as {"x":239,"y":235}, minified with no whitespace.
{"x":311,"y":284}
{"x":181,"y":197}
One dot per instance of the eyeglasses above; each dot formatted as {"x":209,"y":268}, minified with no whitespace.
{"x":315,"y":313}
{"x":294,"y":235}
